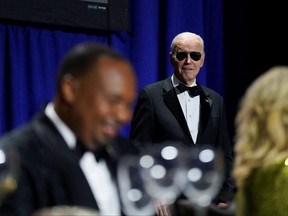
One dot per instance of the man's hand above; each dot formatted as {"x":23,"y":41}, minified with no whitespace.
{"x":222,"y":205}
{"x":162,"y":209}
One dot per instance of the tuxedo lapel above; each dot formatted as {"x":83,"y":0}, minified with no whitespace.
{"x":205,"y":109}
{"x":77,"y":185}
{"x":172,"y":102}
{"x":204,"y":116}
{"x":66,"y":167}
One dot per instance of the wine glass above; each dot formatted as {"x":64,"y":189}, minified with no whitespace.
{"x":204,"y":176}
{"x":153,"y":176}
{"x":136,"y":200}
{"x":162,"y":171}
{"x":9,"y":168}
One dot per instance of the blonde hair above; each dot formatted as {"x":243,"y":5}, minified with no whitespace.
{"x":262,"y":124}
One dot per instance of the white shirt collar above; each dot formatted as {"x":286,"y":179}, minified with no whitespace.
{"x":63,"y":129}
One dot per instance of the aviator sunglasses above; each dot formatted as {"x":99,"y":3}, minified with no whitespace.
{"x":196,"y":56}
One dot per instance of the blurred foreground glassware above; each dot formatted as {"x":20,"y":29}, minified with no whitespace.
{"x":162,"y":171}
{"x":132,"y":188}
{"x":155,"y":174}
{"x":9,"y":168}
{"x":204,"y":176}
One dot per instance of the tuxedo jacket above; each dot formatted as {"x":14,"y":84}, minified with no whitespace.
{"x":158,"y":117}
{"x":49,"y":174}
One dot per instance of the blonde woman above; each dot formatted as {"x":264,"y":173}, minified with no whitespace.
{"x":261,"y":148}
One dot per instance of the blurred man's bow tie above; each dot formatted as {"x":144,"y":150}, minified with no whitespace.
{"x":193,"y":91}
{"x":100,"y":153}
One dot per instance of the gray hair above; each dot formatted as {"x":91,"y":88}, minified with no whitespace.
{"x":186,"y":35}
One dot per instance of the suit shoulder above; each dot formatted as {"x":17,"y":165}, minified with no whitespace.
{"x":211,"y":92}
{"x":16,"y":135}
{"x":154,"y":85}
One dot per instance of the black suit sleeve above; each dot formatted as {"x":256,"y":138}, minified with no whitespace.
{"x":142,"y":126}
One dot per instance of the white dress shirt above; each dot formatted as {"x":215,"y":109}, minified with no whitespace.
{"x":190,"y":107}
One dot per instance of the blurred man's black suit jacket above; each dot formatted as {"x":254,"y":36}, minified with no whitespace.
{"x":50,"y":175}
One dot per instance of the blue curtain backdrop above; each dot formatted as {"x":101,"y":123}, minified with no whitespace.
{"x":29,"y":56}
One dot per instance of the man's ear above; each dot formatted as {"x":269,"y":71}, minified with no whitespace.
{"x":172,"y":58}
{"x":68,"y":88}
{"x":202,"y":59}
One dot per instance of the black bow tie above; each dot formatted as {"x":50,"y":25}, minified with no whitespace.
{"x":193,"y":91}
{"x":100,"y":153}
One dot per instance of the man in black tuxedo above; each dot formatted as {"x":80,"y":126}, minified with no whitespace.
{"x":69,"y":151}
{"x":168,"y":111}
